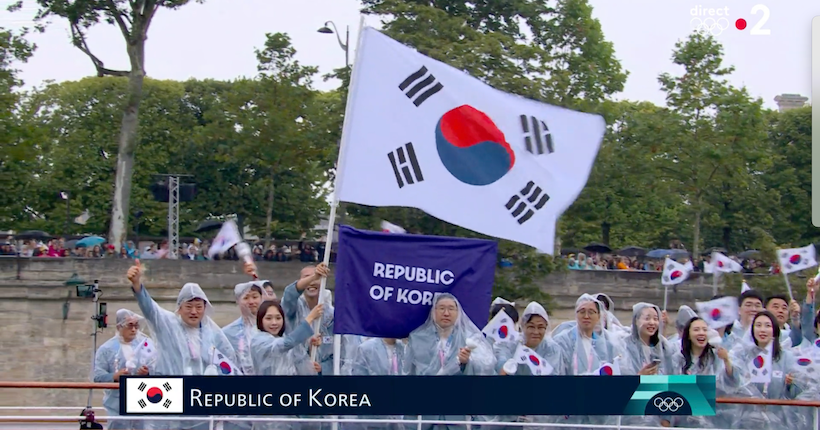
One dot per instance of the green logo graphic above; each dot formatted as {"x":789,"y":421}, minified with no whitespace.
{"x":673,"y":395}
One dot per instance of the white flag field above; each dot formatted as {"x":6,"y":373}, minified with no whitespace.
{"x":419,"y":133}
{"x":724,"y":264}
{"x":796,"y":259}
{"x":675,"y":273}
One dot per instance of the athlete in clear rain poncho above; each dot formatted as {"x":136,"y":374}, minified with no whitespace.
{"x":379,"y":357}
{"x":765,"y":354}
{"x":534,"y":324}
{"x":610,"y":321}
{"x":297,"y":301}
{"x":188,"y":340}
{"x":646,"y":352}
{"x":685,"y":314}
{"x":275,"y":354}
{"x":439,"y":347}
{"x":585,"y":347}
{"x":698,"y":356}
{"x":129,"y":352}
{"x":241,"y":331}
{"x":807,"y":379}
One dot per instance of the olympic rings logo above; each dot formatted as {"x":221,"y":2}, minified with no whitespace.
{"x":710,"y":25}
{"x":669,"y":404}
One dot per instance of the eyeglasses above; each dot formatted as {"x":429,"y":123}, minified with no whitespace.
{"x":132,"y":326}
{"x":586,"y":312}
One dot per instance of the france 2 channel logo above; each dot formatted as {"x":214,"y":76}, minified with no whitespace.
{"x":715,"y":21}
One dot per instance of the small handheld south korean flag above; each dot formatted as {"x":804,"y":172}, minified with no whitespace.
{"x":796,"y":259}
{"x":674,"y":273}
{"x":501,"y":328}
{"x":609,"y":369}
{"x":153,"y":395}
{"x":537,"y":365}
{"x":718,"y":313}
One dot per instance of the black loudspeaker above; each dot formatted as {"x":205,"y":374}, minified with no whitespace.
{"x":159,"y":190}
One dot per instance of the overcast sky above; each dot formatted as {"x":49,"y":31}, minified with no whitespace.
{"x":216,"y":40}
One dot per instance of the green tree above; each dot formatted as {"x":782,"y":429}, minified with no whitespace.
{"x":790,"y":175}
{"x":716,"y":143}
{"x":78,"y":152}
{"x":133,"y":18}
{"x":18,"y":139}
{"x":625,"y":201}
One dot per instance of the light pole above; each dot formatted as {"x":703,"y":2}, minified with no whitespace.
{"x":65,"y":196}
{"x":326,"y":29}
{"x":344,"y":45}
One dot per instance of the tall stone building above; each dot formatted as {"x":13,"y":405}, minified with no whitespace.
{"x":790,"y":101}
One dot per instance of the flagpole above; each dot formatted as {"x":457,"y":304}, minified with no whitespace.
{"x":331,"y":223}
{"x":788,"y":284}
{"x":714,"y":282}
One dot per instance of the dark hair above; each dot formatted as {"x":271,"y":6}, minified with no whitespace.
{"x":508,"y":309}
{"x":263,"y":310}
{"x":775,"y":333}
{"x":706,"y":357}
{"x":750,"y":294}
{"x":267,"y":284}
{"x":256,"y":288}
{"x":728,"y":328}
{"x":816,"y":321}
{"x":603,"y":299}
{"x":776,"y":297}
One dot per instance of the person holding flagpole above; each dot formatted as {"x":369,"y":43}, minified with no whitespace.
{"x":300,"y":298}
{"x":190,"y":342}
{"x":769,"y":372}
{"x":809,"y":321}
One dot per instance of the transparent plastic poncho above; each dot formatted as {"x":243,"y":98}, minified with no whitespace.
{"x":116,"y":354}
{"x":241,"y":331}
{"x":744,"y":358}
{"x":185,"y":350}
{"x":585,"y":356}
{"x":433,"y":350}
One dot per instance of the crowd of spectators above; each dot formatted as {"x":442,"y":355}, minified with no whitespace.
{"x":196,"y":250}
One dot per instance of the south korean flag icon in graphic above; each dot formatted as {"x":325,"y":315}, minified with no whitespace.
{"x":153,"y":395}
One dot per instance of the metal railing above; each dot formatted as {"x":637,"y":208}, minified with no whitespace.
{"x":215,"y":422}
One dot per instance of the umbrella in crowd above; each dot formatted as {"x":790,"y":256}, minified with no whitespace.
{"x":209,"y":225}
{"x":600,"y":248}
{"x":89,"y":242}
{"x":71,"y":244}
{"x":745,"y":255}
{"x":632,"y":251}
{"x":33,"y":234}
{"x":568,"y":251}
{"x":713,"y":250}
{"x":671,"y":253}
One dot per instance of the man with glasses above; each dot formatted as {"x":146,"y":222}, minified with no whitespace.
{"x":750,"y":303}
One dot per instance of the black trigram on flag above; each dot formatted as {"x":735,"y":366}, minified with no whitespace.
{"x":142,"y":386}
{"x":167,"y":403}
{"x":167,"y":386}
{"x":537,"y":136}
{"x":405,"y":165}
{"x":421,"y":89}
{"x":142,"y":403}
{"x":522,"y":206}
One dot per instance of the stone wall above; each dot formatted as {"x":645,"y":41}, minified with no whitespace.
{"x":39,"y":345}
